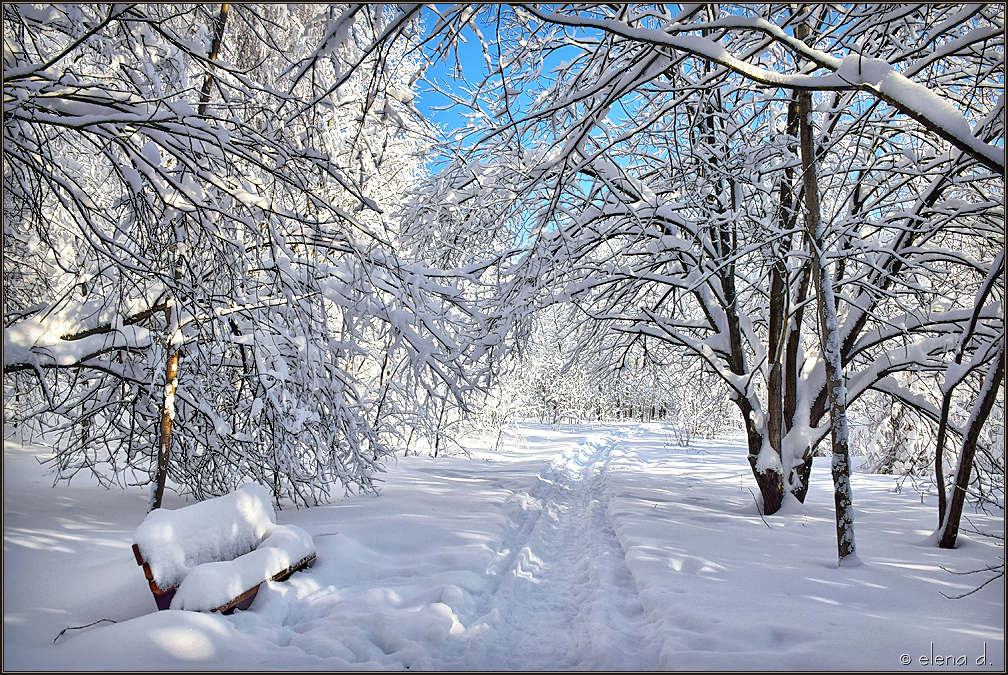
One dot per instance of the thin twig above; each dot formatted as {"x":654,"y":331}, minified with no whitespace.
{"x":758,"y":508}
{"x":989,"y":568}
{"x":960,"y":597}
{"x":79,"y":627}
{"x":976,"y":530}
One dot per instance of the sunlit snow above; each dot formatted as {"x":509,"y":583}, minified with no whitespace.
{"x":572,"y":547}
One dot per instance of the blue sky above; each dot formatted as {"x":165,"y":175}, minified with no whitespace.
{"x":470,"y":56}
{"x":474,"y":69}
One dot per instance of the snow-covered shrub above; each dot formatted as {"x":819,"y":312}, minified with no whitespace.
{"x":892,"y":437}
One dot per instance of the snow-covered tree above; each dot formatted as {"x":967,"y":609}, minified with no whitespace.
{"x":805,"y":202}
{"x":655,"y":178}
{"x":200,"y":227}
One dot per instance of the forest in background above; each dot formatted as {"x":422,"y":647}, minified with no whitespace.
{"x":235,"y":249}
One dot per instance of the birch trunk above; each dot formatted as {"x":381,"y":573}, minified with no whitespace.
{"x":829,"y":340}
{"x":167,"y":410}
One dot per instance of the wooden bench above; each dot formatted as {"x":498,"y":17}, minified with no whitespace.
{"x":214,"y":555}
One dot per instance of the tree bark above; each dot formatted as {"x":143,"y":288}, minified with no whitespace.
{"x":984,"y":291}
{"x":775,"y":349}
{"x":778,"y":421}
{"x":172,"y":314}
{"x":769,"y":480}
{"x":214,"y":50}
{"x":804,"y":468}
{"x":939,"y":467}
{"x":981,"y":410}
{"x":829,"y":340}
{"x":167,"y":412}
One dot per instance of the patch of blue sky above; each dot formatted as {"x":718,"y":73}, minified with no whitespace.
{"x":465,"y":66}
{"x":448,"y":74}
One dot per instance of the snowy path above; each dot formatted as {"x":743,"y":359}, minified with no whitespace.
{"x":575,"y":547}
{"x":567,"y":597}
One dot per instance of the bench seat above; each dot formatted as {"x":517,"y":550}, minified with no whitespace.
{"x":214,"y":555}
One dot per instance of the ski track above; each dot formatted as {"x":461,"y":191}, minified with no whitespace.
{"x":565,"y":598}
{"x":598,"y":551}
{"x":558,"y":594}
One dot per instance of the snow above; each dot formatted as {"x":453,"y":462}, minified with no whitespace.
{"x":38,"y":340}
{"x":574,"y":547}
{"x":214,"y":584}
{"x":915,"y":98}
{"x":173,"y":542}
{"x":874,"y":74}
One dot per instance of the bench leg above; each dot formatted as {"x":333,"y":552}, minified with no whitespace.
{"x":163,"y":600}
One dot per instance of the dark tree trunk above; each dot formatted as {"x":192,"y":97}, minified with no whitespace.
{"x":164,"y":435}
{"x":798,"y":475}
{"x":775,"y":348}
{"x":981,"y":410}
{"x":769,"y":480}
{"x":214,"y":50}
{"x":981,"y":298}
{"x":804,"y":468}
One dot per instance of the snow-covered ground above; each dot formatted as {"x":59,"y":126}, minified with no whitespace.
{"x":576,"y":547}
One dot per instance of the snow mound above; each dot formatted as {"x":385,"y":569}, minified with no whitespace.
{"x":175,"y":542}
{"x":214,"y":584}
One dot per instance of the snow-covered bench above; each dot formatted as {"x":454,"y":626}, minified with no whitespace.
{"x":213,"y":555}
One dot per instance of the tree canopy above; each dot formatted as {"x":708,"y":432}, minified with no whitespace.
{"x":804,"y":202}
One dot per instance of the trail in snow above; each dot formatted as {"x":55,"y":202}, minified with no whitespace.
{"x":588,"y":547}
{"x":566,"y":598}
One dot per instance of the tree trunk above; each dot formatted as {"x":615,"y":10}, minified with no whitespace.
{"x":777,"y":329}
{"x":797,"y":474}
{"x":981,"y":410}
{"x":770,"y":481}
{"x":777,"y":332}
{"x":214,"y":50}
{"x":167,"y":415}
{"x":768,"y":478}
{"x":791,"y":367}
{"x":172,"y":316}
{"x":829,"y":340}
{"x":949,"y":387}
{"x":775,"y":349}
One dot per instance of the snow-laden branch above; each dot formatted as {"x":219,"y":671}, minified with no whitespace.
{"x":854,"y":71}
